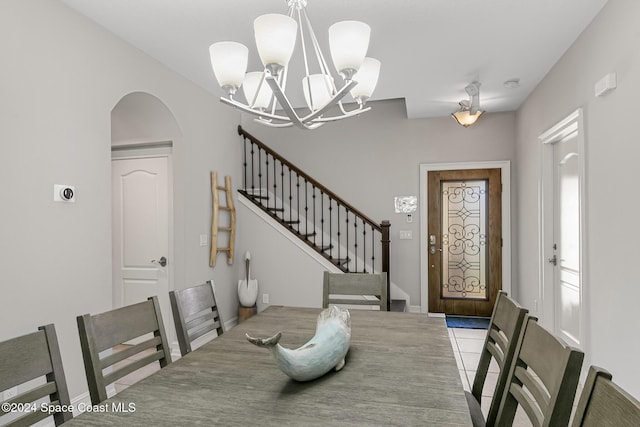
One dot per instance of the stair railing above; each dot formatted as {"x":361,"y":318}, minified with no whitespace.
{"x":320,"y":218}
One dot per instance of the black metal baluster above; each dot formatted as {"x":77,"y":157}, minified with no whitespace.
{"x":338,"y":227}
{"x":275,"y":188}
{"x":373,"y":250}
{"x":306,"y":208}
{"x":266,"y":174}
{"x":355,"y":240}
{"x":364,"y":246}
{"x":321,"y":219}
{"x":315,"y":233}
{"x":253,"y":186}
{"x":346,"y":231}
{"x":290,"y":199}
{"x":298,"y":199}
{"x":260,"y":174}
{"x":282,"y":188}
{"x":244,"y":183}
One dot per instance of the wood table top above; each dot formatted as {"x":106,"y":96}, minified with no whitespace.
{"x":400,"y":370}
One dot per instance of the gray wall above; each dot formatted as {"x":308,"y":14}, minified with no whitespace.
{"x":372,"y":158}
{"x":60,"y":79}
{"x":609,"y":44}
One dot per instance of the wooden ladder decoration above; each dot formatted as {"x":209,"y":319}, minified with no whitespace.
{"x":215,"y":227}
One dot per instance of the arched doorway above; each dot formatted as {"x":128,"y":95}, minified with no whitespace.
{"x":143,"y":130}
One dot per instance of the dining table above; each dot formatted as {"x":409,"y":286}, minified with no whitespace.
{"x":400,"y":371}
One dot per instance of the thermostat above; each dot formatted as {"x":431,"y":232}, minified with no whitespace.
{"x":64,"y":193}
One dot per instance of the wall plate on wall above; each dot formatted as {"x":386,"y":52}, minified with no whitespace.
{"x":64,"y":193}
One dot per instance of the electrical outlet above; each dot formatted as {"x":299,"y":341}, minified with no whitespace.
{"x":265,"y":298}
{"x":203,"y":240}
{"x":10,"y":393}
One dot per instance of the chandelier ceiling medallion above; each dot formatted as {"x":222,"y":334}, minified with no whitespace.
{"x":275,"y":37}
{"x":469,"y":110}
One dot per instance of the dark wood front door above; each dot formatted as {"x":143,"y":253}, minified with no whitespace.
{"x":464,"y":241}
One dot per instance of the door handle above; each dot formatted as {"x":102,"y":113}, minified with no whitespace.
{"x":162,"y":261}
{"x":553,"y":260}
{"x":433,"y":249}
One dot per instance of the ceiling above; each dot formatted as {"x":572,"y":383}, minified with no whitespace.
{"x":429,"y":49}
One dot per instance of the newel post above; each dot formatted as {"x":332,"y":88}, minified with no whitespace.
{"x":386,"y":225}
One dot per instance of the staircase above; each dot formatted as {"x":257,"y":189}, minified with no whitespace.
{"x":332,"y":227}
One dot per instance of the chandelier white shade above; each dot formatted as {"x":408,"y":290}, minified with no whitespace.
{"x":348,"y":41}
{"x":317,"y":89}
{"x":367,"y":78}
{"x":258,"y":99}
{"x":230,"y":64}
{"x":276,"y":37}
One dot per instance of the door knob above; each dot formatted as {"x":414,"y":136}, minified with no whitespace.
{"x":162,"y":261}
{"x":553,"y":260}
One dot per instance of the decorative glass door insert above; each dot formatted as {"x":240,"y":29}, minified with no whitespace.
{"x":464,"y":239}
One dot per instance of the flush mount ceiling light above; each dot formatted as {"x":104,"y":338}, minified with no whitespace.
{"x":469,"y":110}
{"x":275,"y":39}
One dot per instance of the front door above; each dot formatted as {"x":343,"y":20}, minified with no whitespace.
{"x":140,"y":203}
{"x":464,"y":241}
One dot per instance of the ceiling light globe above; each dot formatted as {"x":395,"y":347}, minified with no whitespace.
{"x":465,"y":118}
{"x":275,"y":36}
{"x":229,"y":63}
{"x":348,"y":42}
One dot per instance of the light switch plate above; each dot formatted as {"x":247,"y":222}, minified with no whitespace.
{"x":406,"y":235}
{"x":203,"y":240}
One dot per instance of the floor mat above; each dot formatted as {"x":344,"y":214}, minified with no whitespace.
{"x":467,"y":322}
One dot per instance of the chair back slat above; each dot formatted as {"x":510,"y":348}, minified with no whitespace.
{"x":500,"y":343}
{"x":132,"y":367}
{"x":37,"y":393}
{"x":30,"y":357}
{"x":195,"y":314}
{"x":116,"y":328}
{"x":542,"y":379}
{"x":129,"y":351}
{"x":603,"y":403}
{"x":367,"y":289}
{"x":123,"y":324}
{"x":34,"y":363}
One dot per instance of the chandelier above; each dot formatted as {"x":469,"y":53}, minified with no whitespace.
{"x":275,"y":36}
{"x":469,"y":110}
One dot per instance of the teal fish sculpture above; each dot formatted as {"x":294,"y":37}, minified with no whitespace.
{"x":322,"y":353}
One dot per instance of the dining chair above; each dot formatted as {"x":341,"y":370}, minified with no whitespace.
{"x":27,"y":358}
{"x":116,"y":329}
{"x":359,"y":288}
{"x":604,"y":404}
{"x":542,"y":379}
{"x":195,"y":313}
{"x":500,"y":345}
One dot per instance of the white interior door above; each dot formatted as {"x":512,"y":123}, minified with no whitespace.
{"x":562,"y":241}
{"x":567,"y":236}
{"x":140,"y":203}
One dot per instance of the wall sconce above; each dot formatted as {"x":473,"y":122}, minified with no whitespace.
{"x":469,"y":111}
